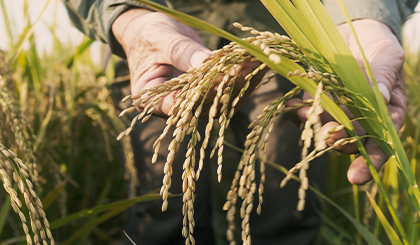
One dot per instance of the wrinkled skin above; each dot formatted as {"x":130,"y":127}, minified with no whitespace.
{"x":159,"y":48}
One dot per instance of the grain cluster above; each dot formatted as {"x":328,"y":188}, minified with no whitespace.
{"x":11,"y":165}
{"x":193,"y":88}
{"x":14,"y":169}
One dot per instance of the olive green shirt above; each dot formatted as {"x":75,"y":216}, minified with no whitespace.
{"x":95,"y":17}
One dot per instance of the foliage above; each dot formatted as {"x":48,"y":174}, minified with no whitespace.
{"x":69,"y":132}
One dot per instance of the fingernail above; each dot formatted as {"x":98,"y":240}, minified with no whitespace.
{"x":385,"y":92}
{"x":197,"y":58}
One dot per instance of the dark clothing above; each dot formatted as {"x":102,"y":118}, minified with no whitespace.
{"x":95,"y":17}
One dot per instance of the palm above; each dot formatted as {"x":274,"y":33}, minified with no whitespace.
{"x":167,"y":49}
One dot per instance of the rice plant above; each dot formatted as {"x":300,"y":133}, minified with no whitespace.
{"x":318,"y":63}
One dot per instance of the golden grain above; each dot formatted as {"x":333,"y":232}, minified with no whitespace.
{"x":193,"y":87}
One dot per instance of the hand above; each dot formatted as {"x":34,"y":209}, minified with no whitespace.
{"x":386,"y":57}
{"x":159,"y":48}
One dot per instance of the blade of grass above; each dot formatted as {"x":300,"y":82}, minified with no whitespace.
{"x":414,"y":149}
{"x":335,"y":227}
{"x":355,"y":190}
{"x":114,"y":209}
{"x":148,"y":197}
{"x":377,"y":227}
{"x":330,"y":236}
{"x":34,"y":66}
{"x":366,"y":234}
{"x":129,"y":238}
{"x":391,"y":182}
{"x":7,"y":23}
{"x":79,"y":50}
{"x":94,"y":223}
{"x":402,"y":160}
{"x":101,"y":199}
{"x":414,"y":229}
{"x":14,"y":240}
{"x":47,"y":117}
{"x":26,"y":34}
{"x":293,"y":24}
{"x":52,"y":195}
{"x":319,"y":39}
{"x":4,"y":212}
{"x":329,"y":42}
{"x":392,"y":235}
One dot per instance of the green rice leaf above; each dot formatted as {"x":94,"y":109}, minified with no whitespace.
{"x":79,"y":50}
{"x":392,"y":235}
{"x":292,"y":22}
{"x":27,"y":34}
{"x":366,"y":234}
{"x":392,"y":135}
{"x":126,"y":203}
{"x":335,"y":226}
{"x":52,"y":195}
{"x":7,"y":22}
{"x":94,"y":223}
{"x":4,"y":212}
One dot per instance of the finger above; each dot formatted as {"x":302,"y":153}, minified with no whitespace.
{"x":398,"y":103}
{"x":154,"y":76}
{"x":386,"y":67}
{"x":330,"y":129}
{"x":383,"y":52}
{"x":184,"y":53}
{"x":358,"y":172}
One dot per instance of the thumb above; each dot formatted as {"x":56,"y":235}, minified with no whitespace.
{"x":385,"y":70}
{"x":198,"y":57}
{"x":185,"y":53}
{"x":358,"y":173}
{"x":384,"y":53}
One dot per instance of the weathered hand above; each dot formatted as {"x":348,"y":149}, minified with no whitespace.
{"x":159,"y":48}
{"x":386,"y":58}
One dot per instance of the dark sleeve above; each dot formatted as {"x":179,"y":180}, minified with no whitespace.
{"x":95,"y":17}
{"x":391,"y":12}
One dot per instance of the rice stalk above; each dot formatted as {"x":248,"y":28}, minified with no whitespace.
{"x":192,"y":89}
{"x":318,"y":61}
{"x":12,"y":165}
{"x":16,"y":120}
